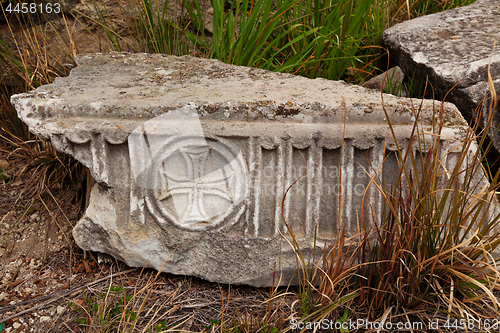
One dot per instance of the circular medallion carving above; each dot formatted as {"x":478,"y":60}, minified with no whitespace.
{"x":199,"y":183}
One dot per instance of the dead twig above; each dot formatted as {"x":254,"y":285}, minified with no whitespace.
{"x":56,"y":296}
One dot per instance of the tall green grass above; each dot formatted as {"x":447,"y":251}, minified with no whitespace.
{"x":320,"y":38}
{"x":313,"y":38}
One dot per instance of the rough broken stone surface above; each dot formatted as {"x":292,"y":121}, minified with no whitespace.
{"x":392,"y":81}
{"x":192,"y":157}
{"x":453,"y":48}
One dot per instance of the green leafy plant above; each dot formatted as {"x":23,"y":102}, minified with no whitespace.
{"x":150,"y":26}
{"x":393,"y":86}
{"x":342,"y":320}
{"x":106,"y":310}
{"x":160,"y":326}
{"x":316,"y":38}
{"x":211,"y":323}
{"x":74,"y":307}
{"x":413,"y":88}
{"x":234,"y":326}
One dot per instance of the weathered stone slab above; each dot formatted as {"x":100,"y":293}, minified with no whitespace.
{"x":192,"y":158}
{"x":453,"y":48}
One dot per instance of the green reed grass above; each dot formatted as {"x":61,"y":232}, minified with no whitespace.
{"x":320,"y":38}
{"x":313,"y":38}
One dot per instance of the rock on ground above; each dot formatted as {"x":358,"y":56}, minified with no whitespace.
{"x":452,"y":49}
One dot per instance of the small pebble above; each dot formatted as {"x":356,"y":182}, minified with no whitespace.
{"x":60,"y":309}
{"x":44,"y":319}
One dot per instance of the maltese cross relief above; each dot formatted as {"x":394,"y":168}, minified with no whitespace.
{"x":201,"y":184}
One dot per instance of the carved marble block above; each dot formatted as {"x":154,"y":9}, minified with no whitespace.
{"x":192,"y":159}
